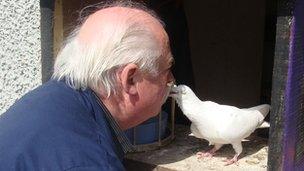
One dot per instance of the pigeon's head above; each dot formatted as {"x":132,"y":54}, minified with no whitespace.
{"x":184,"y":97}
{"x":181,"y":92}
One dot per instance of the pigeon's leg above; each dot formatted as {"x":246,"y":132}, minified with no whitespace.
{"x":238,"y":149}
{"x":209,"y":153}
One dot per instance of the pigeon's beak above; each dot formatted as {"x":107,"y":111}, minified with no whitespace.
{"x":172,"y":93}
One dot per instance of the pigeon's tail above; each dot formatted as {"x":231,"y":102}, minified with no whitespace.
{"x":264,"y":125}
{"x":264,"y":109}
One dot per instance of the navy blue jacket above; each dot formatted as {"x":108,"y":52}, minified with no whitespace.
{"x":57,"y":128}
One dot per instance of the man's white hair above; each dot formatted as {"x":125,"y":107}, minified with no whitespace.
{"x":95,"y":65}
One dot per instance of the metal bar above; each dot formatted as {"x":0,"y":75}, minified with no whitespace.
{"x":159,"y":127}
{"x":46,"y":24}
{"x":134,"y":135}
{"x":172,"y":116}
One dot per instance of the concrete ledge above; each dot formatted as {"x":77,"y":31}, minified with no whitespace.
{"x":181,"y":155}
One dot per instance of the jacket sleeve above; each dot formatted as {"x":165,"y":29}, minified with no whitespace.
{"x":106,"y":167}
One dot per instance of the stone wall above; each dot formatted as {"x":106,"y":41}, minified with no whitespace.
{"x":20,"y":58}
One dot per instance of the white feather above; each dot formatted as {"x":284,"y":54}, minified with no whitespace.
{"x":219,"y":124}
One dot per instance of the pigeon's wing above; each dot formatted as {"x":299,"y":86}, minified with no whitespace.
{"x":240,"y":125}
{"x":222,"y":123}
{"x":212,"y":121}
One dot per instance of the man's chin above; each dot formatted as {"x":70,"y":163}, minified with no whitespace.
{"x":155,"y":114}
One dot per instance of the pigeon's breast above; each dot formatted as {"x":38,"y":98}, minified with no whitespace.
{"x":211,"y":133}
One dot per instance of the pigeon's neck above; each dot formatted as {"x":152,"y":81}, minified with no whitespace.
{"x":189,"y":105}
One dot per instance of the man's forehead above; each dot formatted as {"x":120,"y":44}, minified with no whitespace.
{"x":104,"y":21}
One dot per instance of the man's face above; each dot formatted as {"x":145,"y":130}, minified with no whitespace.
{"x":154,"y":90}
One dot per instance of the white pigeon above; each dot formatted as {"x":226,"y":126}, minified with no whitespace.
{"x":219,"y":124}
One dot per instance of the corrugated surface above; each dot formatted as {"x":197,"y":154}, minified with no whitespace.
{"x":279,"y":79}
{"x":294,"y":129}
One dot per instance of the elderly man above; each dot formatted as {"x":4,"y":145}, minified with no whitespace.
{"x":112,"y":74}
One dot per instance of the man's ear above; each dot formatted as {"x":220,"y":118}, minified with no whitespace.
{"x":128,"y":77}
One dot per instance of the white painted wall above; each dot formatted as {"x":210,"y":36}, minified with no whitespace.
{"x":20,"y":57}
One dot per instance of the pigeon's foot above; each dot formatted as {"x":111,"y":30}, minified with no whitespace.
{"x":208,"y":154}
{"x":234,"y":160}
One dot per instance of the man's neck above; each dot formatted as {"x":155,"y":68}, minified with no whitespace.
{"x":116,"y":109}
{"x":122,"y":110}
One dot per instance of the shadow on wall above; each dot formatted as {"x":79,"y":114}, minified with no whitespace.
{"x":173,"y":14}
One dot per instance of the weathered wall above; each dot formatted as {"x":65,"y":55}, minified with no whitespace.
{"x":20,"y":64}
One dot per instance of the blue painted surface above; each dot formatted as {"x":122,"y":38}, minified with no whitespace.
{"x":148,"y":131}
